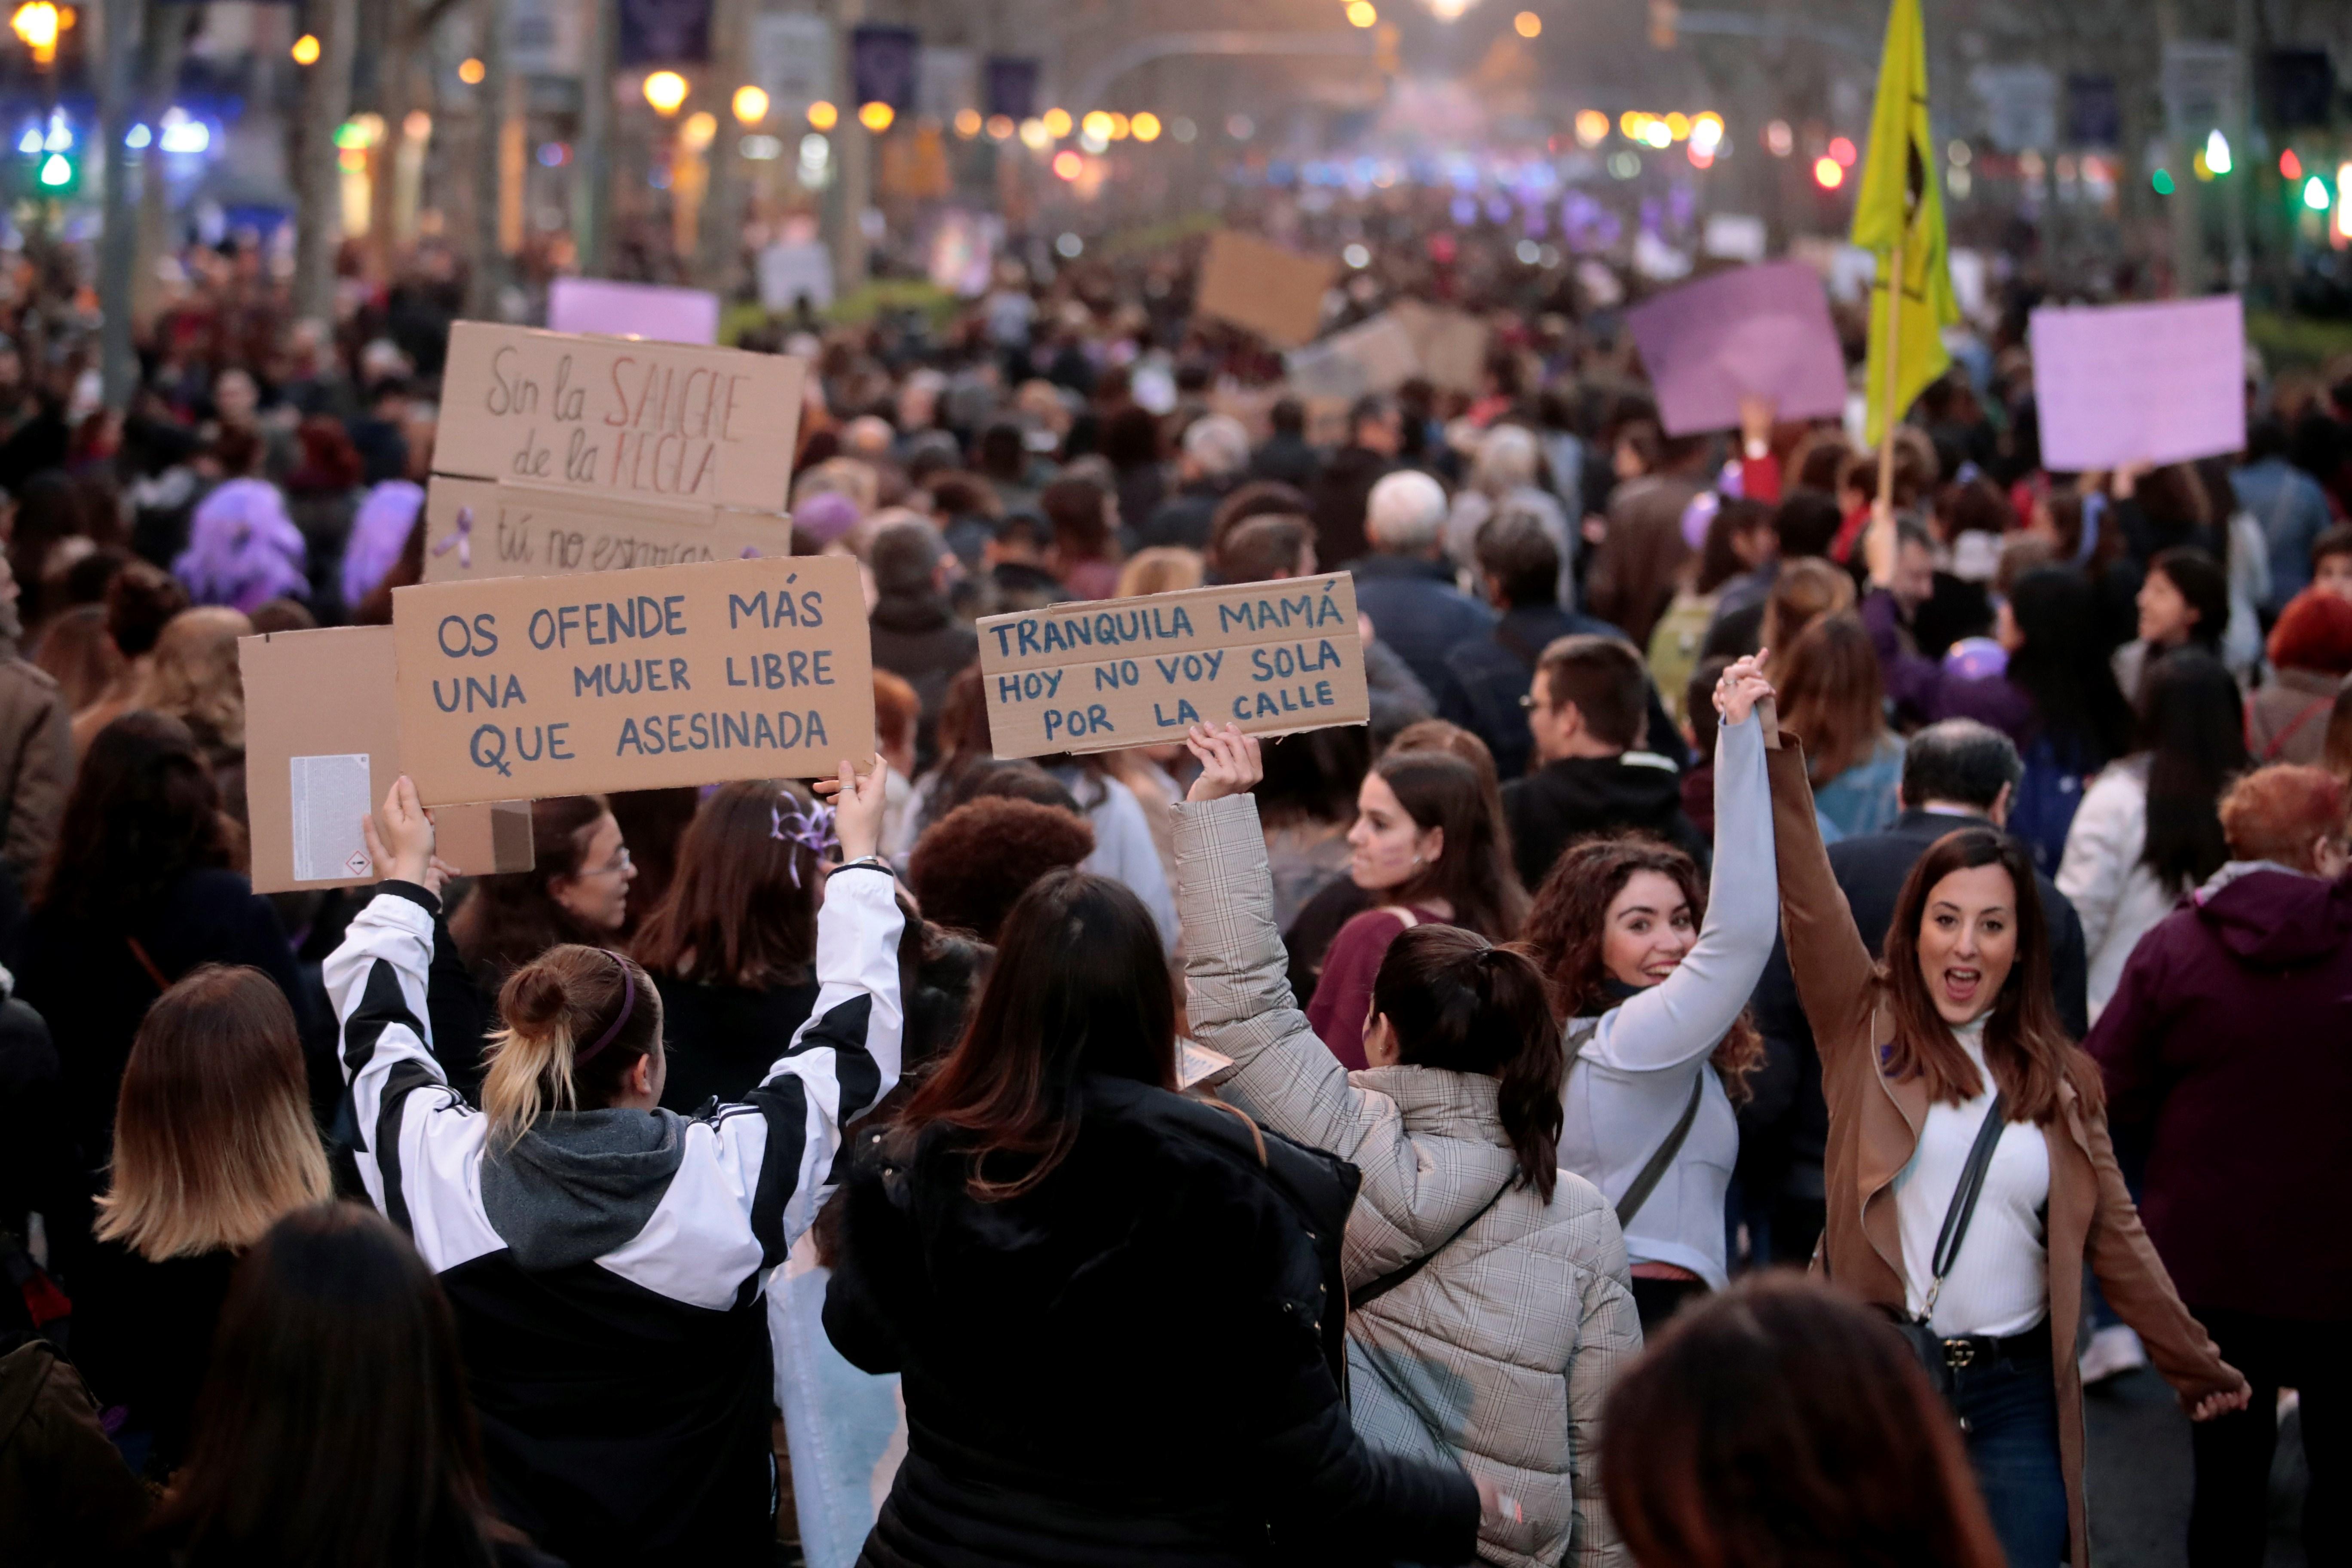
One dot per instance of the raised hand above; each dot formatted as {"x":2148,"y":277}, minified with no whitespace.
{"x":856,"y":807}
{"x":1229,"y":762}
{"x":2205,"y":1408}
{"x":402,"y":848}
{"x":1743,"y":686}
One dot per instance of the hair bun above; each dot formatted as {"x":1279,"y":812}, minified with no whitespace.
{"x":534,"y":997}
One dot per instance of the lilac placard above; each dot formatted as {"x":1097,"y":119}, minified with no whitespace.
{"x":2161,"y":383}
{"x":634,"y":311}
{"x":1763,"y":329}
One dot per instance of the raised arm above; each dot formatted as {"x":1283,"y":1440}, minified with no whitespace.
{"x":1831,"y":964}
{"x":845,"y":1057}
{"x":416,"y":1135}
{"x":1239,"y":1001}
{"x":1680,"y":1019}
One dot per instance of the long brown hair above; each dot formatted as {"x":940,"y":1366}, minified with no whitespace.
{"x":334,"y":1424}
{"x":513,"y":918}
{"x":1805,"y":591}
{"x":1459,"y":1002}
{"x":1779,"y":1424}
{"x":1473,"y":872}
{"x":213,"y":1136}
{"x":2024,"y":1044}
{"x":1080,"y":985}
{"x":1831,"y":695}
{"x":548,"y":1057}
{"x":741,"y":909}
{"x":145,"y":812}
{"x":1568,"y":932}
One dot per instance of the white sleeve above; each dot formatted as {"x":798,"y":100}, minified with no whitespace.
{"x":2103,"y":844}
{"x":1681,"y":1017}
{"x":1124,"y":852}
{"x":414,"y":1138}
{"x":779,"y":1162}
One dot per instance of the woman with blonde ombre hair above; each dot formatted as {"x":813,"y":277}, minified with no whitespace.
{"x":605,"y":1257}
{"x":212,"y":1144}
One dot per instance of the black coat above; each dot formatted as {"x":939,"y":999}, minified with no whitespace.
{"x":1486,"y":680}
{"x":720,"y":1040}
{"x":1580,"y":798}
{"x":1785,"y":1126}
{"x":1139,"y":1360}
{"x":917,"y":638}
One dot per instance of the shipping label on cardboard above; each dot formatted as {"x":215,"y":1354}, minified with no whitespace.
{"x":481,"y":529}
{"x":620,"y":417}
{"x":642,"y":678}
{"x":322,"y":750}
{"x":1273,"y":657}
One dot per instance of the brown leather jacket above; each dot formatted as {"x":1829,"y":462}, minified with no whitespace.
{"x":1875,"y":1123}
{"x":36,"y":764}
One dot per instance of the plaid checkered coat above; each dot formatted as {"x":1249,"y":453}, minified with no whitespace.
{"x":1501,"y":1349}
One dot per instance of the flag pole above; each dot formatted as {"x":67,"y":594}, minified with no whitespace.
{"x":1878,"y":548}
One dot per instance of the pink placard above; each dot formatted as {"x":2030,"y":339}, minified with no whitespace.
{"x":1755,"y":329}
{"x":633,"y":310}
{"x":2124,"y":383}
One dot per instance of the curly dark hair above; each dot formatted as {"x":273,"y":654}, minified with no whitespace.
{"x":145,"y":812}
{"x":969,"y":867}
{"x":1567,"y":928}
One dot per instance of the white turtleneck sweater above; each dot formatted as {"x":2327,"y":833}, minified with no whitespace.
{"x":1999,"y":1283}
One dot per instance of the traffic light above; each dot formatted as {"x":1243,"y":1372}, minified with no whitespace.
{"x":1665,"y":19}
{"x":51,"y":159}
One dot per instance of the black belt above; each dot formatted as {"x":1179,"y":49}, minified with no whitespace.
{"x":1976,"y":1350}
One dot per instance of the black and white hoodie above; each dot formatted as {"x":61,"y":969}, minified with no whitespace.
{"x":607,"y":1270}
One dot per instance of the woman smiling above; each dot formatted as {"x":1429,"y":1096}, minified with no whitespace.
{"x":1652,"y":979}
{"x":1969,"y":1172}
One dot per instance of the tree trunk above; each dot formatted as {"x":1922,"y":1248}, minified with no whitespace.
{"x":317,"y":174}
{"x":162,"y":43}
{"x":118,"y":260}
{"x":489,"y":272}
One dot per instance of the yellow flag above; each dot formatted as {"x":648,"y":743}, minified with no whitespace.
{"x":1899,"y":204}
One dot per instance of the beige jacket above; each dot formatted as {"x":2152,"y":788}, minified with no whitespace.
{"x":1501,"y":1350}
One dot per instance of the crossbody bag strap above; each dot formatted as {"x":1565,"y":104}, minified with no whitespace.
{"x":154,"y":973}
{"x":1663,"y":1158}
{"x":2278,"y":742}
{"x":1380,"y":1287}
{"x":1964,"y":1198}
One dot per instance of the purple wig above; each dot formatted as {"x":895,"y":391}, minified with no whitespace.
{"x":242,"y":550}
{"x":387,"y":516}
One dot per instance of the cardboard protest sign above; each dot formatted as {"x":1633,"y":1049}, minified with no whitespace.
{"x":478,"y":529}
{"x":322,"y":748}
{"x":640,"y":678}
{"x":1450,"y":344}
{"x":2124,"y":383}
{"x":1273,"y":293}
{"x":622,"y":419}
{"x":1755,"y":329}
{"x":633,"y":310}
{"x":1099,"y":675}
{"x":1377,"y":355}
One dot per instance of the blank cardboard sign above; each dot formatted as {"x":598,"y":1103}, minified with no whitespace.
{"x":1098,"y":676}
{"x":1273,"y":293}
{"x":2156,"y":383}
{"x":322,"y":744}
{"x":622,"y":417}
{"x":641,"y":678}
{"x":476,"y":530}
{"x":1764,"y":330}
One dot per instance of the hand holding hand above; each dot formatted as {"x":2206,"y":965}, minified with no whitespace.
{"x":2206,"y":1406}
{"x":1230,"y":761}
{"x":1743,"y":686}
{"x":403,"y":849}
{"x":856,"y":807}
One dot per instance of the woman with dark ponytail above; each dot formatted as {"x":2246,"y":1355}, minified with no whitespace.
{"x":607,"y":1257}
{"x":1466,"y":1237}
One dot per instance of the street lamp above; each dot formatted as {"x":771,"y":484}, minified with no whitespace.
{"x":666,"y":90}
{"x":751,"y":105}
{"x":306,"y":49}
{"x":37,"y":26}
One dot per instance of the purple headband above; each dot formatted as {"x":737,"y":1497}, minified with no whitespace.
{"x":620,"y":1020}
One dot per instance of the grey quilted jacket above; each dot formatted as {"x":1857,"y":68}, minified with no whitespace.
{"x":1501,"y":1350}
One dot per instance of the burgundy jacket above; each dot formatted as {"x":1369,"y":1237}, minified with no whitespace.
{"x":2227,"y":1053}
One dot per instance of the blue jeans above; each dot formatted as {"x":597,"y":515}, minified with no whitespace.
{"x":2010,"y":1412}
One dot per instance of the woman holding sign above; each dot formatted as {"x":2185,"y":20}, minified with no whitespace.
{"x":1465,"y":1237}
{"x":604,"y":1255}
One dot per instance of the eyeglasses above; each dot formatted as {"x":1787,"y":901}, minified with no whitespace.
{"x":620,"y":865}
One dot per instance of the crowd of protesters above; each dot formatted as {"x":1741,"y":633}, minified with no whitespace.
{"x":1389,"y":1143}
